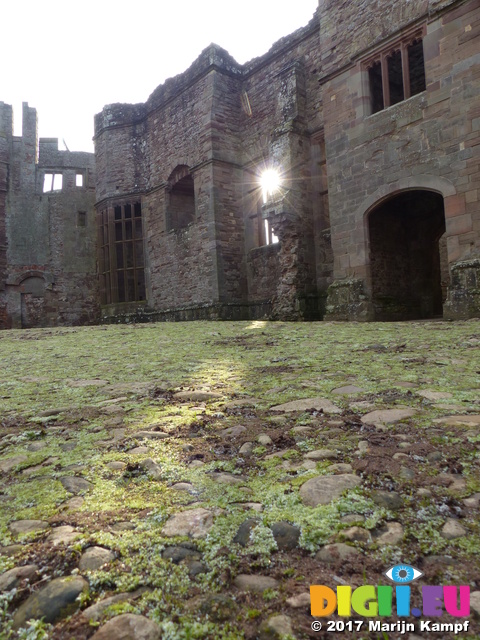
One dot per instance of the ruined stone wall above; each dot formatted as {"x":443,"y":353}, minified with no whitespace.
{"x":50,"y":236}
{"x":282,"y":109}
{"x":6,"y":127}
{"x":429,"y":141}
{"x":191,"y":121}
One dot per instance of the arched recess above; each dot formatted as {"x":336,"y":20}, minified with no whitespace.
{"x":408,"y":261}
{"x":180,"y":198}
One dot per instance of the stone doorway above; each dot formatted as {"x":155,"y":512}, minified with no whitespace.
{"x":409,"y":267}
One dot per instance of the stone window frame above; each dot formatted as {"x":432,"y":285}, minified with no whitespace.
{"x":180,"y":172}
{"x":382,"y":55}
{"x":50,"y":181}
{"x":121,"y":267}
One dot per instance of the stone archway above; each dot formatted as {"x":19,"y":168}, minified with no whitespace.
{"x":407,"y":267}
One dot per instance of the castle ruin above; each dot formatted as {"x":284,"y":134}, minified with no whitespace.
{"x":370,"y":114}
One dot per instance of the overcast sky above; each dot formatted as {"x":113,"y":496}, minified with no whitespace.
{"x":68,"y":59}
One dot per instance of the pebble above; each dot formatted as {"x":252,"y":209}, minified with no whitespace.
{"x":11,"y":549}
{"x":406,"y":473}
{"x":302,"y":601}
{"x":139,"y":451}
{"x":351,"y":518}
{"x":128,"y":626}
{"x":475,"y":602}
{"x":27,"y":526}
{"x":247,"y":449}
{"x":468,"y":420}
{"x":286,"y":535}
{"x":341,"y":467}
{"x":317,"y":404}
{"x":75,"y":503}
{"x":349,"y":389}
{"x":195,"y":464}
{"x":387,"y":416}
{"x":452,"y":529}
{"x":233,"y":432}
{"x":183,"y":486}
{"x":392,"y":534}
{"x":7,"y":464}
{"x":337,"y":551}
{"x":68,"y":446}
{"x":242,"y":537}
{"x":247,"y":506}
{"x":63,"y":535}
{"x":473,"y":501}
{"x":36,"y":446}
{"x":255,"y":583}
{"x":222,"y":477}
{"x":264,"y":440}
{"x":75,"y":484}
{"x":94,"y":558}
{"x":150,"y":435}
{"x":430,"y":394}
{"x":278,"y":626}
{"x":388,"y":499}
{"x":279,"y":454}
{"x":116,"y":465}
{"x":96,"y":611}
{"x":356,"y":534}
{"x":195,"y":523}
{"x":54,"y":601}
{"x":324,"y":489}
{"x":321,"y":454}
{"x":12,"y":578}
{"x":151,"y":468}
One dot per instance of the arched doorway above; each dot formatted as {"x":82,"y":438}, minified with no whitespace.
{"x":408,"y":263}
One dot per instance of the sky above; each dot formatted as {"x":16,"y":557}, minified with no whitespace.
{"x":68,"y":59}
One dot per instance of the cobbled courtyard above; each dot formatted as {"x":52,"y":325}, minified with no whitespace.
{"x":193,"y":480}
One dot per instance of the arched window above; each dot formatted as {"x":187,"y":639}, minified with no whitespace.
{"x":180,"y":199}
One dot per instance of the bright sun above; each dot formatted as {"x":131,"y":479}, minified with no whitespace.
{"x":270,"y":182}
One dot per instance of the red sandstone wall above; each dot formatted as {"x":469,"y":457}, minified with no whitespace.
{"x":424,"y":141}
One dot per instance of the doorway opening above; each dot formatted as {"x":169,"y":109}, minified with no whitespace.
{"x":409,"y":266}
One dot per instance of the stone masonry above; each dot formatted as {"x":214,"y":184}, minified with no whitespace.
{"x":370,"y":115}
{"x":47,"y":229}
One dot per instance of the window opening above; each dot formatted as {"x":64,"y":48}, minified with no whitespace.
{"x":81,"y":219}
{"x":395,"y":77}
{"x":79,"y":180}
{"x":121,"y":256}
{"x":52,"y":182}
{"x":57,"y":182}
{"x":416,"y":65}
{"x":398,"y":75}
{"x":181,"y":202}
{"x":270,"y":237}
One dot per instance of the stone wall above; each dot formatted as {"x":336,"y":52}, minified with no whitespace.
{"x":429,"y":141}
{"x":50,"y":236}
{"x":306,"y":109}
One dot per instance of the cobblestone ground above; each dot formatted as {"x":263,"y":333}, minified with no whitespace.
{"x":194,"y":480}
